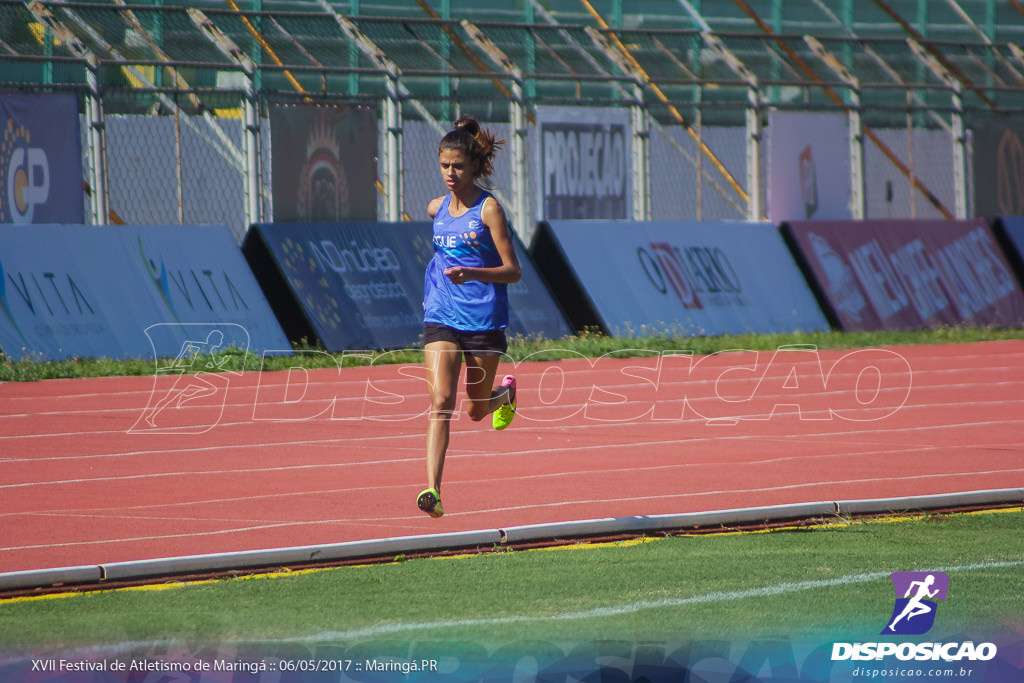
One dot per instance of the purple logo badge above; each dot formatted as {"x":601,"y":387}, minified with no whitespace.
{"x":916,"y":595}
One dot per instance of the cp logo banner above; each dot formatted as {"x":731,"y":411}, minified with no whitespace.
{"x":40,"y":159}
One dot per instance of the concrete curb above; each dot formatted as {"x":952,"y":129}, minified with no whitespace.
{"x":170,"y":566}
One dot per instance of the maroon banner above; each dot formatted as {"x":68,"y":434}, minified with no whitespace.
{"x":898,"y":275}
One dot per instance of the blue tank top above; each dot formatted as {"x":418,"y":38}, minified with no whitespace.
{"x":464,"y":241}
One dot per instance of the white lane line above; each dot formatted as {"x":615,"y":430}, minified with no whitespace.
{"x":631,"y":607}
{"x":492,"y":454}
{"x":387,"y":521}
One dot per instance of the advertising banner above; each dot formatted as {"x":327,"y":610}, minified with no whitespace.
{"x":585,"y":162}
{"x":360,"y":285}
{"x":1010,"y":233}
{"x":1013,"y":228}
{"x":324,"y":163}
{"x":898,"y":275}
{"x":998,"y":166}
{"x":808,"y":166}
{"x":40,"y":159}
{"x":678,"y":278}
{"x":128,"y":292}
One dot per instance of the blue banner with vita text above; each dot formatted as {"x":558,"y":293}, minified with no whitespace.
{"x":128,"y":292}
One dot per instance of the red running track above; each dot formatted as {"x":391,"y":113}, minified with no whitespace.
{"x":254,"y":460}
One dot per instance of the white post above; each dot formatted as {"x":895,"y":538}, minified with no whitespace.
{"x":754,"y":210}
{"x":518,"y":116}
{"x":251,"y":145}
{"x":858,"y":204}
{"x":97,"y":165}
{"x":957,"y":128}
{"x":520,"y":197}
{"x":641,"y":158}
{"x":393,"y":150}
{"x":858,"y":201}
{"x":959,"y":153}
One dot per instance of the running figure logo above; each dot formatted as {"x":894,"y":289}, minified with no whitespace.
{"x":190,"y":391}
{"x":916,"y":593}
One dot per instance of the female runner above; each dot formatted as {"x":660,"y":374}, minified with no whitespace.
{"x":465,"y":304}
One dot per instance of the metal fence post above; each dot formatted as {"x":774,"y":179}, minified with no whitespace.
{"x":753,"y":127}
{"x":858,"y":198}
{"x":755,"y":205}
{"x":641,"y":158}
{"x":517,"y":116}
{"x":393,"y":149}
{"x":959,"y":153}
{"x":97,"y":165}
{"x":858,"y":204}
{"x":93,"y":108}
{"x":957,"y":128}
{"x":250,"y":114}
{"x":251,"y":143}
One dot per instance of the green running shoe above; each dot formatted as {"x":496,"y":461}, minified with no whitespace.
{"x":503,"y":416}
{"x":430,"y":502}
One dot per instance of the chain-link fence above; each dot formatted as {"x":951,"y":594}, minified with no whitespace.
{"x":161,"y":171}
{"x":175,"y":170}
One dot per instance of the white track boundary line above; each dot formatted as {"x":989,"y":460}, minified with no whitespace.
{"x":715,"y":597}
{"x":632,"y":607}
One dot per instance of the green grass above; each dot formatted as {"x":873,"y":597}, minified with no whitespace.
{"x":686,"y":588}
{"x":589,"y":344}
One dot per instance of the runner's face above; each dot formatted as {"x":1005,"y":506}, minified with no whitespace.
{"x":456,"y":169}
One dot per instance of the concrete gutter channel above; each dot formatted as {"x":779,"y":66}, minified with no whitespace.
{"x":390,"y":547}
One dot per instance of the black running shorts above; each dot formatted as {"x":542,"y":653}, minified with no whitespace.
{"x":485,"y":343}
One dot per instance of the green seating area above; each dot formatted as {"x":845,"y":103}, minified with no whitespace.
{"x":558,"y":51}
